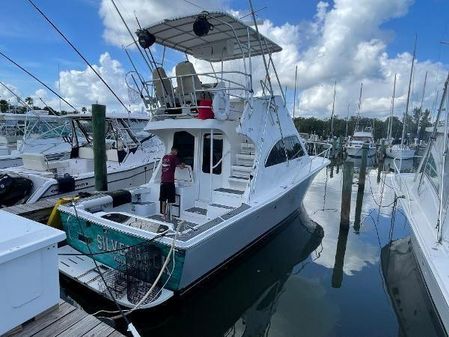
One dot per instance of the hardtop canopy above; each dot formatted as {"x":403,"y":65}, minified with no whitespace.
{"x":229,"y":38}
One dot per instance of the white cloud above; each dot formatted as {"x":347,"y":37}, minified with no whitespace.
{"x":343,"y":42}
{"x":83,"y":87}
{"x":7,"y":95}
{"x":148,"y":12}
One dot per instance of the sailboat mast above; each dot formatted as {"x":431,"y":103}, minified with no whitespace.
{"x":333,"y":110}
{"x":390,"y":124}
{"x":359,"y":107}
{"x":408,"y":94}
{"x":420,"y":106}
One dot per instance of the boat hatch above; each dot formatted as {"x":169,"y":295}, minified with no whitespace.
{"x":129,"y":220}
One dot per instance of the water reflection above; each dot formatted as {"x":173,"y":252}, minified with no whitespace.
{"x":337,"y":274}
{"x":415,"y":311}
{"x":406,"y":165}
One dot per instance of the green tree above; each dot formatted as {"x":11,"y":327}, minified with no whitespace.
{"x":3,"y":105}
{"x":29,"y":101}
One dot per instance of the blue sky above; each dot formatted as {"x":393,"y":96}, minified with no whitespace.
{"x":26,"y":37}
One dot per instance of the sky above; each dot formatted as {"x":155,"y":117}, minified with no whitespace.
{"x":346,"y":42}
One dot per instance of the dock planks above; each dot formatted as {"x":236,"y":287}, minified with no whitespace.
{"x":65,"y":321}
{"x":38,"y":211}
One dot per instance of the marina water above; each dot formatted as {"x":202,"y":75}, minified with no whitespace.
{"x":307,"y":278}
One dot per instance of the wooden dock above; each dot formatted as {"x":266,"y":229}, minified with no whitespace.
{"x":65,"y":321}
{"x":38,"y":211}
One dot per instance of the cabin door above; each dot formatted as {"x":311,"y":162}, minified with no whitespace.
{"x":185,"y":143}
{"x":211,"y":160}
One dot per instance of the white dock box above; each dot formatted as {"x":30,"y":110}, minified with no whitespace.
{"x":29,"y":278}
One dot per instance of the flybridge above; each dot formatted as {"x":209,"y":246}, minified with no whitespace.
{"x":216,"y":36}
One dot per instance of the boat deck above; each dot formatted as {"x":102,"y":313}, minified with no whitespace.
{"x":193,"y":229}
{"x":63,"y":321}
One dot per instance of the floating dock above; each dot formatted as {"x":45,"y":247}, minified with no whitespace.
{"x":64,"y":321}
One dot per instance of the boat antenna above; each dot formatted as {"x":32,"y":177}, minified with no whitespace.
{"x":359,"y":108}
{"x":42,"y":83}
{"x":404,"y":122}
{"x":294,"y":92}
{"x":333,"y":110}
{"x":79,"y":54}
{"x":19,"y":99}
{"x":261,"y":47}
{"x":390,"y":124}
{"x":421,"y":105}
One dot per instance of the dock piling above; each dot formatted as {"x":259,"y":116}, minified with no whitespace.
{"x":99,"y":146}
{"x":381,"y":160}
{"x":348,"y":169}
{"x":361,"y":189}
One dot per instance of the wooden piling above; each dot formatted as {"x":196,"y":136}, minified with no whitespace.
{"x":348,"y":170}
{"x":361,"y":189}
{"x":337,"y":273}
{"x":99,"y":133}
{"x":363,"y":165}
{"x":381,"y":160}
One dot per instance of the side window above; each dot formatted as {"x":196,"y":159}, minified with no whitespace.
{"x":277,"y":155}
{"x":217,"y":153}
{"x":294,"y":148}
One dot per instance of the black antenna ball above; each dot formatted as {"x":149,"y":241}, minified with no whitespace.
{"x":201,"y":26}
{"x":145,"y":38}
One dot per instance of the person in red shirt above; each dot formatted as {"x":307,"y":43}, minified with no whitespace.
{"x":167,"y":191}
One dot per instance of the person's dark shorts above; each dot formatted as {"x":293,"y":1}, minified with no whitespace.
{"x":167,"y":192}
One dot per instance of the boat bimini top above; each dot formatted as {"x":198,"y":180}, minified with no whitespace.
{"x":209,"y":36}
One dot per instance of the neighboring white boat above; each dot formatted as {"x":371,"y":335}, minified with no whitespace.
{"x":424,"y":197}
{"x":130,"y":162}
{"x":355,"y":144}
{"x":32,"y":132}
{"x":246,"y":171}
{"x":399,"y":151}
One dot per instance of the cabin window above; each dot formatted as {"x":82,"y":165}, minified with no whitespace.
{"x":217,"y":153}
{"x":277,"y":154}
{"x":294,"y":148}
{"x":185,"y":143}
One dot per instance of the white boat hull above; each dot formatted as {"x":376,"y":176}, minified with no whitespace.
{"x":252,"y":224}
{"x":10,"y":161}
{"x":117,"y":180}
{"x":432,"y":257}
{"x":400,"y":153}
{"x":356,"y":152}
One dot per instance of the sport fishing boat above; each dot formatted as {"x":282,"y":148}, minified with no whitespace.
{"x":361,"y":136}
{"x":424,"y":198}
{"x":246,"y":169}
{"x":32,"y":132}
{"x":354,"y":146}
{"x":130,"y":162}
